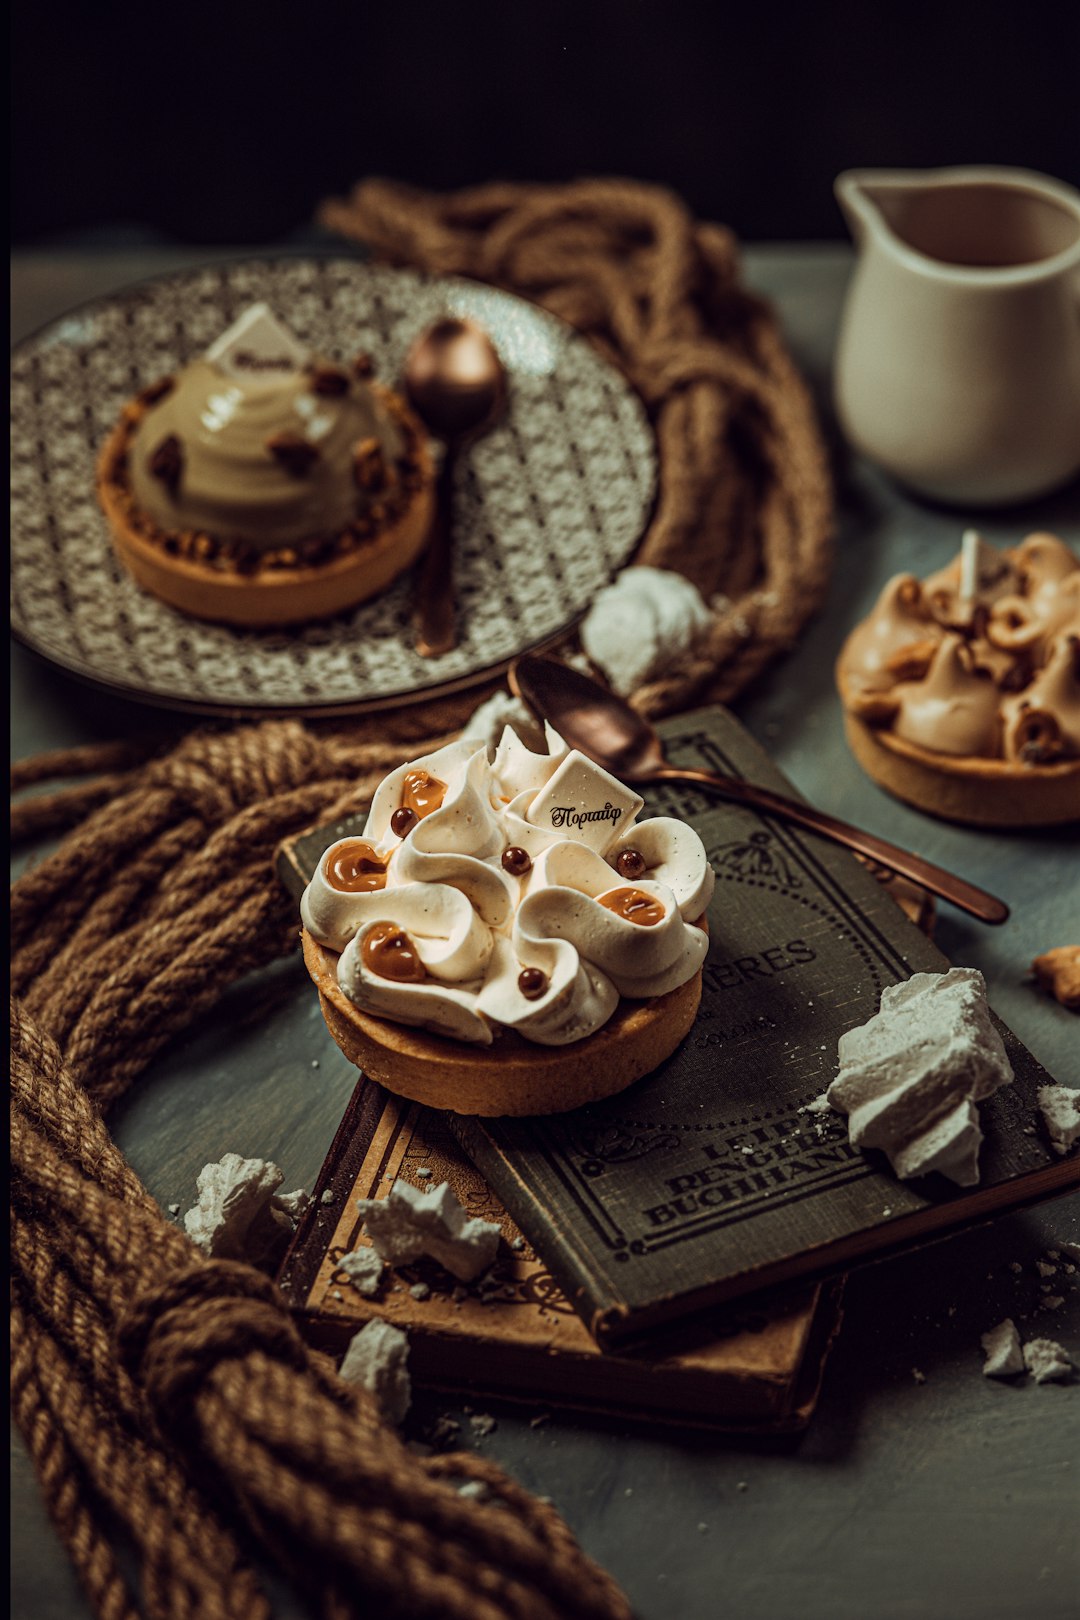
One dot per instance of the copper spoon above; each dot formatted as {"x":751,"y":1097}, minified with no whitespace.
{"x":601,"y":725}
{"x":456,"y":384}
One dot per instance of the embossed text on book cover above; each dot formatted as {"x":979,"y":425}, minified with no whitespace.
{"x":708,"y":1179}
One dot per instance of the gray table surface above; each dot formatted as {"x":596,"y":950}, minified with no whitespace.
{"x":910,"y":1497}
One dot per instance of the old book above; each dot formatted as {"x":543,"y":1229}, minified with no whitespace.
{"x":513,"y":1333}
{"x":707,"y":1180}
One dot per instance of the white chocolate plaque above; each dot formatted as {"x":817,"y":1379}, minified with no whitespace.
{"x":584,"y":803}
{"x":258,"y":348}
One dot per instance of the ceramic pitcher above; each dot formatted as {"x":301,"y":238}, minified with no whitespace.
{"x":958,"y":363}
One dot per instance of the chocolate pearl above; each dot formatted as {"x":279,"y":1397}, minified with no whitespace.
{"x":516,"y":861}
{"x":532,"y":983}
{"x":631,"y":863}
{"x":402,"y":821}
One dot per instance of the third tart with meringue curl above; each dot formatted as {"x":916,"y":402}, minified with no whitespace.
{"x":968,"y":707}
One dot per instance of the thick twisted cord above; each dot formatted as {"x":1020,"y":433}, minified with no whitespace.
{"x":162,"y":1394}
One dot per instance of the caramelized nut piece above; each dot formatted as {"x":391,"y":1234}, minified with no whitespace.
{"x":516,"y":861}
{"x":293,"y":452}
{"x":532,"y":983}
{"x":167,"y":463}
{"x":389,"y":952}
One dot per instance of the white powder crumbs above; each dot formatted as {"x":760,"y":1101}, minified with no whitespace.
{"x":174,"y":1209}
{"x":1014,"y":1265}
{"x":1071,"y":1249}
{"x":639,"y":625}
{"x":364,"y":1270}
{"x":377,"y":1360}
{"x":337,"y":1294}
{"x":1001,"y":1347}
{"x":420,"y":1290}
{"x":1044,"y":1269}
{"x":1046,"y":1361}
{"x":518,"y":1244}
{"x":314,"y":1063}
{"x":423,"y":1172}
{"x":742,"y":1485}
{"x":412,"y":1221}
{"x":820,"y":1105}
{"x":910,"y":1078}
{"x":702,"y":1528}
{"x":473,"y":1490}
{"x":327,"y":1196}
{"x":482,"y":1423}
{"x":919,"y":1377}
{"x":1060,"y":1108}
{"x":746,"y":1150}
{"x":234,"y":1217}
{"x":1054,"y":1302}
{"x":629,"y":1491}
{"x":887,"y":1210}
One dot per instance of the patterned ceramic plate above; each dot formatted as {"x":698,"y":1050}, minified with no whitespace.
{"x":549,"y":504}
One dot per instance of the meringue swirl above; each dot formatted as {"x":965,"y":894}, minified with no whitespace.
{"x":481,"y":927}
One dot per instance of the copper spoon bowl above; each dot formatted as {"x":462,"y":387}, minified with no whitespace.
{"x":610,"y":732}
{"x":456,"y":384}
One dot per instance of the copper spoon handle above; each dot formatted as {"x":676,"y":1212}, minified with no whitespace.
{"x":435,"y":605}
{"x":965,"y":895}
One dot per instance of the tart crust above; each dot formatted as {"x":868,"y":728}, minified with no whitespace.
{"x":979,"y":792}
{"x":512,"y":1076}
{"x":282,"y":595}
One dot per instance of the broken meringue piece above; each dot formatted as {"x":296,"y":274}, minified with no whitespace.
{"x":412,"y":1221}
{"x":235,"y":1217}
{"x":1060,"y":1109}
{"x":910,"y":1078}
{"x":1001,"y":1346}
{"x":1047,"y":1361}
{"x":377,"y":1360}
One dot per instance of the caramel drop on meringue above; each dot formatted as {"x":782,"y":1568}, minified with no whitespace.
{"x":389,"y":953}
{"x":634,"y":905}
{"x":422,"y":793}
{"x":355,"y":868}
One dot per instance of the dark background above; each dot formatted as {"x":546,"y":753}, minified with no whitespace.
{"x":227,"y":123}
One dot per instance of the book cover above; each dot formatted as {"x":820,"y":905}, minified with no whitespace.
{"x":707,"y":1180}
{"x":513,"y":1333}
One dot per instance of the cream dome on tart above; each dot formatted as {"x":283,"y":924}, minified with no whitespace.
{"x":962,"y":691}
{"x":265,"y":485}
{"x":506,"y":937}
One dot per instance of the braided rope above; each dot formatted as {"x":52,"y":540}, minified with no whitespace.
{"x":166,"y":1399}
